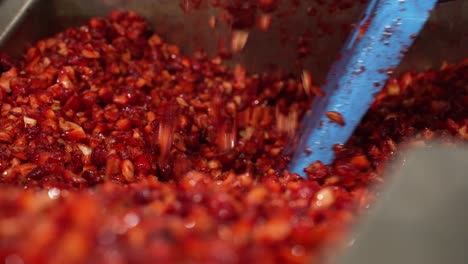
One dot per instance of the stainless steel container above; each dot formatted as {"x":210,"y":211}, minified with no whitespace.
{"x":445,"y":36}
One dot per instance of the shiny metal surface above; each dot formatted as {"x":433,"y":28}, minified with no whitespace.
{"x":12,"y":13}
{"x":422,"y":216}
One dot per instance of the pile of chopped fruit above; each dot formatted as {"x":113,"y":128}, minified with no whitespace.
{"x":116,"y":148}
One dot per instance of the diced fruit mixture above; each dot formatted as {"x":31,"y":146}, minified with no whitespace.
{"x":117,"y":148}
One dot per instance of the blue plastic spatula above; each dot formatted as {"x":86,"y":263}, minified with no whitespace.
{"x":376,"y":44}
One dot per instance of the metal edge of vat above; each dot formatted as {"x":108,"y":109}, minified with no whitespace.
{"x":421,"y":216}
